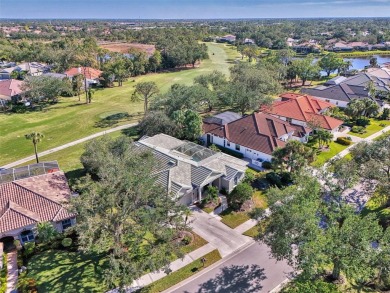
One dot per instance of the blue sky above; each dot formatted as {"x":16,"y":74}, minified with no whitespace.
{"x":165,"y":9}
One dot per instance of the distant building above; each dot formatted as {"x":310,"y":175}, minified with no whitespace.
{"x":340,"y":92}
{"x":92,"y":75}
{"x":227,"y":39}
{"x":10,"y":90}
{"x":30,"y":68}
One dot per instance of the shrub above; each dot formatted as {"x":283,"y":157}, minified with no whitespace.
{"x":363,"y":122}
{"x":186,"y":240}
{"x":309,"y":286}
{"x":29,"y":249}
{"x":240,"y":194}
{"x":230,"y":152}
{"x":358,"y":129}
{"x":66,"y":242}
{"x":274,"y":179}
{"x":385,"y":114}
{"x":382,"y":124}
{"x":223,"y":191}
{"x":267,"y":165}
{"x":343,"y":141}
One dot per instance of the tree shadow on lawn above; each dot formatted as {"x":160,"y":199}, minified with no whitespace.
{"x":75,"y":273}
{"x":244,"y":279}
{"x":113,"y":119}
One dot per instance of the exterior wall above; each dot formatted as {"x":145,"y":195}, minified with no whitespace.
{"x":341,"y":104}
{"x":247,"y":152}
{"x":58,"y":225}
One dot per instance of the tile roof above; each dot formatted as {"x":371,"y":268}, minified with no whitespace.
{"x":304,"y":108}
{"x":89,"y":72}
{"x":10,"y":88}
{"x":33,"y":199}
{"x":259,"y":131}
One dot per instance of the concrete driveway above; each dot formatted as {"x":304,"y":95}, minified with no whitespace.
{"x":251,"y":270}
{"x":223,"y":238}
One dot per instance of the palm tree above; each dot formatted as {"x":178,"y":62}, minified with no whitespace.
{"x":145,"y":91}
{"x":355,"y":108}
{"x":46,"y":232}
{"x":36,"y":138}
{"x":371,"y":108}
{"x":187,"y":214}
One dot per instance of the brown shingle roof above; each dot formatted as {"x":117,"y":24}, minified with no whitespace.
{"x":34,"y":199}
{"x":259,"y":131}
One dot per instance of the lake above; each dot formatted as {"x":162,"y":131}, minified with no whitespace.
{"x":360,"y":63}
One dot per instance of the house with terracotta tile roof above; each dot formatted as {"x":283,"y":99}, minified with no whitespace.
{"x":255,"y":136}
{"x":10,"y":90}
{"x":304,"y":110}
{"x":91,"y":74}
{"x":28,"y":201}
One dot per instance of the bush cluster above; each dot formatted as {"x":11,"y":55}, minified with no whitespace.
{"x":343,"y":141}
{"x":358,"y":129}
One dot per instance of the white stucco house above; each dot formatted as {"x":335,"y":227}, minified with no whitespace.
{"x":254,"y":136}
{"x":304,"y":110}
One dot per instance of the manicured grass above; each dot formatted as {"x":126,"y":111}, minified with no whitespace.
{"x":334,"y":149}
{"x":59,"y":271}
{"x":70,"y":119}
{"x":195,"y":244}
{"x":255,"y":231}
{"x":376,"y":204}
{"x":69,"y":158}
{"x":234,"y":219}
{"x":207,"y":209}
{"x":182,"y":274}
{"x":372,"y":128}
{"x":362,"y":54}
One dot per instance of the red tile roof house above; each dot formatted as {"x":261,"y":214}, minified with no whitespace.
{"x":304,"y":110}
{"x":26,"y":202}
{"x":255,"y":136}
{"x":10,"y":90}
{"x":92,"y":75}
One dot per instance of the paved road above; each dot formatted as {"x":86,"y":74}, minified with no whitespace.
{"x":64,"y":146}
{"x":225,"y":239}
{"x":251,"y":270}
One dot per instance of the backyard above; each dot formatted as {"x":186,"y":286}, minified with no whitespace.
{"x":70,"y":119}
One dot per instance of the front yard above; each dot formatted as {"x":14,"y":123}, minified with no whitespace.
{"x":323,"y":157}
{"x":375,"y":126}
{"x":234,"y":219}
{"x":58,"y":271}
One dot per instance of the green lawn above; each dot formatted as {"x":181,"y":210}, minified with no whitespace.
{"x":234,"y":219}
{"x":63,"y":271}
{"x":377,"y":204}
{"x":69,"y":119}
{"x":182,"y":274}
{"x":372,"y":128}
{"x":334,"y":149}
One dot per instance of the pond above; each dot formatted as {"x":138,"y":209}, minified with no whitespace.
{"x":360,"y":63}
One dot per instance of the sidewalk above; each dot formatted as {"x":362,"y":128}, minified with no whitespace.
{"x":12,"y":268}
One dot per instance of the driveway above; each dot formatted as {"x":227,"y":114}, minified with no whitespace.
{"x":225,"y":239}
{"x":251,"y":270}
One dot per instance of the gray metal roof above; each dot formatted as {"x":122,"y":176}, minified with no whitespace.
{"x":223,"y":118}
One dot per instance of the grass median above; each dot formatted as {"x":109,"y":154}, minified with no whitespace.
{"x":182,"y":274}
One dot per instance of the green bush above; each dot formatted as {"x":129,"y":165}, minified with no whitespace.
{"x":240,"y":194}
{"x":358,"y":129}
{"x":3,"y":275}
{"x":266,"y":165}
{"x":29,"y":249}
{"x":66,"y":242}
{"x":363,"y":122}
{"x":310,"y":286}
{"x":343,"y":141}
{"x":274,"y":179}
{"x":186,"y":240}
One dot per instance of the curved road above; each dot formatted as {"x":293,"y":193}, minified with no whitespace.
{"x":69,"y":144}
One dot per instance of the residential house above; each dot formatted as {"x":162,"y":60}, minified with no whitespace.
{"x":185,"y":168}
{"x":29,"y":68}
{"x":92,"y":75}
{"x":10,"y":90}
{"x":249,"y":42}
{"x":29,"y":199}
{"x":255,"y":136}
{"x":354,"y":87}
{"x":311,"y":46}
{"x":227,"y":39}
{"x":304,"y":110}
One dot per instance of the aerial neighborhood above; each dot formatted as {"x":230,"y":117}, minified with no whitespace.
{"x":194,"y":155}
